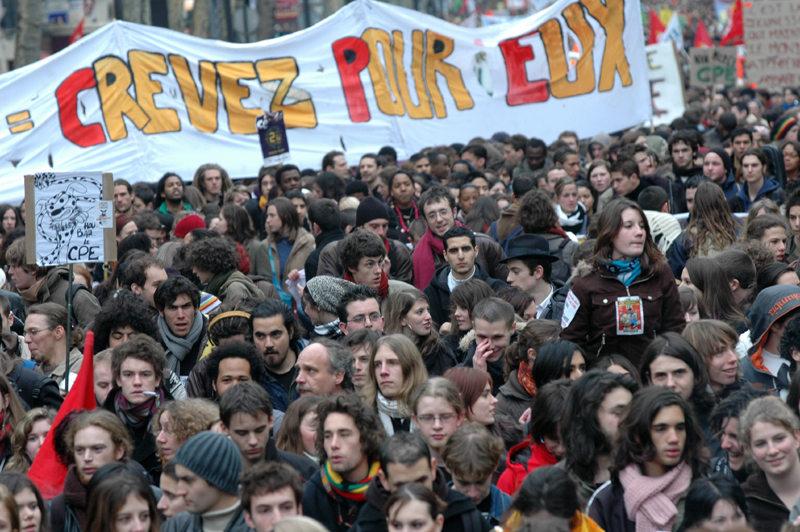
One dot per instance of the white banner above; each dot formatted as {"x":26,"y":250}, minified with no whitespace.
{"x":666,"y":83}
{"x":139,"y":101}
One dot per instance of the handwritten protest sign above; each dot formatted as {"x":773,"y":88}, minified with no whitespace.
{"x":666,"y":84}
{"x":712,"y":66}
{"x":73,"y":217}
{"x":772,"y":33}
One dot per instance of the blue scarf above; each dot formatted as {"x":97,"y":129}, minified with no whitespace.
{"x":626,"y":270}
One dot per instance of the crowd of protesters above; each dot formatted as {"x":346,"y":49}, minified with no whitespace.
{"x":595,"y":334}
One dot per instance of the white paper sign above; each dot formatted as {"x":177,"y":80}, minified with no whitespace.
{"x":571,"y":306}
{"x":67,"y":230}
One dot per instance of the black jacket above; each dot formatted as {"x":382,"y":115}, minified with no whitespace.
{"x":438,"y":291}
{"x":555,"y":308}
{"x":144,"y":443}
{"x":461,"y":514}
{"x":607,"y":509}
{"x":321,"y":240}
{"x":304,"y":466}
{"x":439,"y":360}
{"x":35,"y":389}
{"x":336,"y":513}
{"x":767,"y":511}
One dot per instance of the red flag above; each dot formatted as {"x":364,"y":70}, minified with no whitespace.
{"x":78,"y":33}
{"x":734,"y":29}
{"x":46,"y":471}
{"x":701,"y":37}
{"x":656,"y":27}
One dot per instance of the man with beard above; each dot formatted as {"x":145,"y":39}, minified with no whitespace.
{"x":595,"y":407}
{"x":169,"y":195}
{"x":276,"y":335}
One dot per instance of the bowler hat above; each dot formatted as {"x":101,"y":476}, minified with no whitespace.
{"x":529,"y":247}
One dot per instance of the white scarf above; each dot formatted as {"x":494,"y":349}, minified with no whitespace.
{"x":387,"y":410}
{"x":575,"y":218}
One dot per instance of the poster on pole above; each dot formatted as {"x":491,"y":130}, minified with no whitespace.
{"x":666,"y":83}
{"x":712,"y":66}
{"x":73,"y":217}
{"x":773,"y":43}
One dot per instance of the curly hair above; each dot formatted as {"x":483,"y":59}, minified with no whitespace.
{"x":123,"y":309}
{"x":200,"y":178}
{"x":214,"y":255}
{"x":635,"y":443}
{"x":581,"y":434}
{"x":21,"y":462}
{"x":357,"y":245}
{"x":244,"y":350}
{"x":366,"y":420}
{"x":188,"y":417}
{"x":536,"y":213}
{"x":168,"y":291}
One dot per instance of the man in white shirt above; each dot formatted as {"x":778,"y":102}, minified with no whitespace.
{"x":530,"y":265}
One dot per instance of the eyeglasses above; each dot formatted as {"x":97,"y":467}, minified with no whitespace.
{"x":373,"y":318}
{"x":427,"y":419}
{"x":33,"y":332}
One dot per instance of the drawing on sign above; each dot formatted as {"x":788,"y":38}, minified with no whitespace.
{"x":65,"y":218}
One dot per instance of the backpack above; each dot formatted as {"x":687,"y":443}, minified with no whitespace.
{"x":504,"y":242}
{"x":561,"y":270}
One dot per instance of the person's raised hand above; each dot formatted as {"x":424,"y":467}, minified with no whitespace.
{"x":482,"y":352}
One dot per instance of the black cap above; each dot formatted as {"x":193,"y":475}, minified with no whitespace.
{"x":529,"y":247}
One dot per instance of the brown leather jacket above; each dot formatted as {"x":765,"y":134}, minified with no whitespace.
{"x":594,"y":325}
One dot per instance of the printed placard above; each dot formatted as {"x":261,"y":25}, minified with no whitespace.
{"x":630,"y":317}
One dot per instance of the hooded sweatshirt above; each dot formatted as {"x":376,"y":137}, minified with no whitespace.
{"x":770,"y":189}
{"x":772,"y":304}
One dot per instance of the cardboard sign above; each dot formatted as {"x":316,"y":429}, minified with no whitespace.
{"x":70,"y":214}
{"x":712,"y":66}
{"x":773,"y":43}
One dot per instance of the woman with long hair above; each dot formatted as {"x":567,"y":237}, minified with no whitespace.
{"x":516,"y":394}
{"x":438,"y":412}
{"x":599,"y":174}
{"x":626,"y":293}
{"x":571,"y":213}
{"x":236,"y":224}
{"x":672,"y":361}
{"x":475,"y":386}
{"x":791,"y":158}
{"x":298,"y":430}
{"x":177,"y":421}
{"x":693,"y":307}
{"x":408,"y":313}
{"x":9,"y":511}
{"x":396,"y":371}
{"x":402,"y":205}
{"x":792,"y":207}
{"x":10,"y":219}
{"x":33,"y":511}
{"x":587,"y":196}
{"x":709,"y":280}
{"x":122,"y":503}
{"x":462,"y":300}
{"x":711,"y":229}
{"x":715,"y":342}
{"x":28,"y":437}
{"x":770,"y":433}
{"x":716,"y":503}
{"x":11,"y":412}
{"x":290,"y":244}
{"x":483,"y":213}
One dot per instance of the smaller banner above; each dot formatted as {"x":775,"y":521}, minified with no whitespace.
{"x":272,"y":135}
{"x":773,"y":43}
{"x":73,"y":217}
{"x":666,"y":85}
{"x":712,"y":66}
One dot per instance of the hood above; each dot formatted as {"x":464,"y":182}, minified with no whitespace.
{"x":604,"y":139}
{"x":771,"y":304}
{"x":768,"y":186}
{"x":511,"y":210}
{"x":583,"y":269}
{"x":239,"y":277}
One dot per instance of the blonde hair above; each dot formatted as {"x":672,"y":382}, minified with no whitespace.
{"x":766,"y":410}
{"x":189,"y":417}
{"x":439,"y":387}
{"x":19,"y":438}
{"x":348,"y":202}
{"x":414,"y":372}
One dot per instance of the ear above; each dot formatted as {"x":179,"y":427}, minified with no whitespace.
{"x":117,"y":381}
{"x":59,"y":332}
{"x":343,"y":327}
{"x":214,"y":386}
{"x":120,"y":452}
{"x":532,"y":353}
{"x":225,"y":430}
{"x":439,"y":523}
{"x":136,"y":289}
{"x":338,"y":378}
{"x":734,"y":284}
{"x":538,"y":272}
{"x":795,"y":354}
{"x":477,"y":250}
{"x":271,"y":422}
{"x":299,"y":510}
{"x":513,"y":327}
{"x":383,"y":479}
{"x":158,"y":381}
{"x":249,"y":520}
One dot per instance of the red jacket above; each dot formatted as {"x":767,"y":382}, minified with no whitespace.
{"x":522,"y":459}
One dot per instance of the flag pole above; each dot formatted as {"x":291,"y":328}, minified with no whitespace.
{"x":69,"y":325}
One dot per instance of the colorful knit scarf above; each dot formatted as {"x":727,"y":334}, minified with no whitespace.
{"x":334,"y":482}
{"x":136,"y":416}
{"x":525,"y":378}
{"x":383,"y":287}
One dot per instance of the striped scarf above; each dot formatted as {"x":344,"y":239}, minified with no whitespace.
{"x":136,"y":416}
{"x":333,"y":481}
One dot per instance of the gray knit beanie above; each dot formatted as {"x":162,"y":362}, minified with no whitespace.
{"x":327,"y":291}
{"x":213,"y":457}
